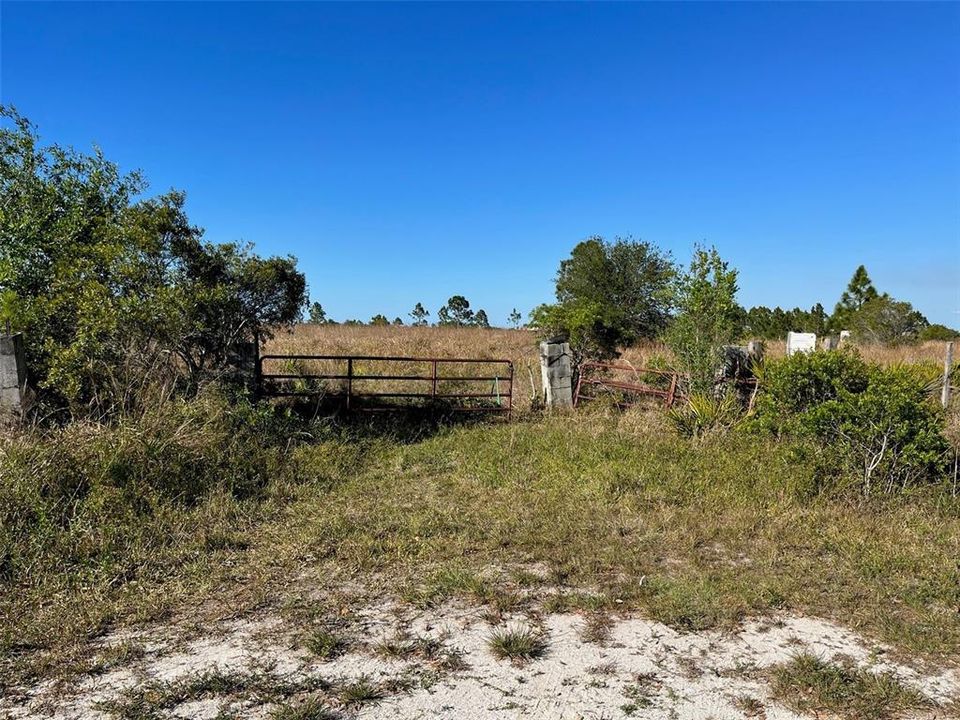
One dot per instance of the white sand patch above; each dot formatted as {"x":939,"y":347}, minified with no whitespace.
{"x":645,"y":669}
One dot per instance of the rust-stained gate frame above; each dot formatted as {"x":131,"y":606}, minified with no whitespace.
{"x":585,"y":378}
{"x":355,"y":399}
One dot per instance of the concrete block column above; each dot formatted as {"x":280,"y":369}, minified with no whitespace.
{"x":556,"y":371}
{"x":13,"y":373}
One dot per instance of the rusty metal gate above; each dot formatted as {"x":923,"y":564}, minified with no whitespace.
{"x":598,"y":375}
{"x":373,"y":382}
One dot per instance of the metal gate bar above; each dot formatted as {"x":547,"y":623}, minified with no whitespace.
{"x":587,"y":378}
{"x":276,"y":384}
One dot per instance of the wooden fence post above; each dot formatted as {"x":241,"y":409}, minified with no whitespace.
{"x":947,"y":367}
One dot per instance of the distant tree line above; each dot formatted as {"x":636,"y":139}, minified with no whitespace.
{"x":455,"y":313}
{"x":871,"y":317}
{"x":111,"y":287}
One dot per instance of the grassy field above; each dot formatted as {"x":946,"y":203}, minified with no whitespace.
{"x":624,"y":514}
{"x":194,"y":509}
{"x":518,"y":346}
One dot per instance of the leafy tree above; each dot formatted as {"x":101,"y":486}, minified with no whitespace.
{"x":481,"y":320}
{"x":317,"y":315}
{"x":379,"y":319}
{"x":224,"y":295}
{"x":609,"y":295}
{"x":592,"y":329}
{"x":105,"y":287}
{"x":397,"y":321}
{"x":707,"y":318}
{"x":419,"y":314}
{"x":456,"y":312}
{"x":883,"y":320}
{"x":936,"y":331}
{"x":859,"y":290}
{"x":515,"y":318}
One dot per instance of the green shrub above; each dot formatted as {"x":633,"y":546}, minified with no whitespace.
{"x":891,"y":431}
{"x":878,"y":423}
{"x":792,"y":386}
{"x":707,"y":319}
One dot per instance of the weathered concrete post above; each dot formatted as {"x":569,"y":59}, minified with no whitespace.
{"x":13,"y":374}
{"x":556,"y":371}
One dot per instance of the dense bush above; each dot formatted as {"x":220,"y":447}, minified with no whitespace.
{"x":110,"y":289}
{"x":792,"y":386}
{"x":879,"y":423}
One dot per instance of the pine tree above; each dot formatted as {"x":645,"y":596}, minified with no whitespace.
{"x":456,"y":312}
{"x":859,"y":291}
{"x":419,"y":314}
{"x":317,"y":315}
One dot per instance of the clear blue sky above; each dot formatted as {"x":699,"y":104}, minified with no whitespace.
{"x":405,"y":153}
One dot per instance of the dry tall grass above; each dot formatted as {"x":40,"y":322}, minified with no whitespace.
{"x":928,"y":352}
{"x":518,"y":346}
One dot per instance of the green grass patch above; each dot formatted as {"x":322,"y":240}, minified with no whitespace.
{"x":309,"y":709}
{"x":152,"y":700}
{"x":325,"y":644}
{"x":517,"y":644}
{"x":612,"y":512}
{"x":362,"y":691}
{"x":809,"y":684}
{"x":698,"y":534}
